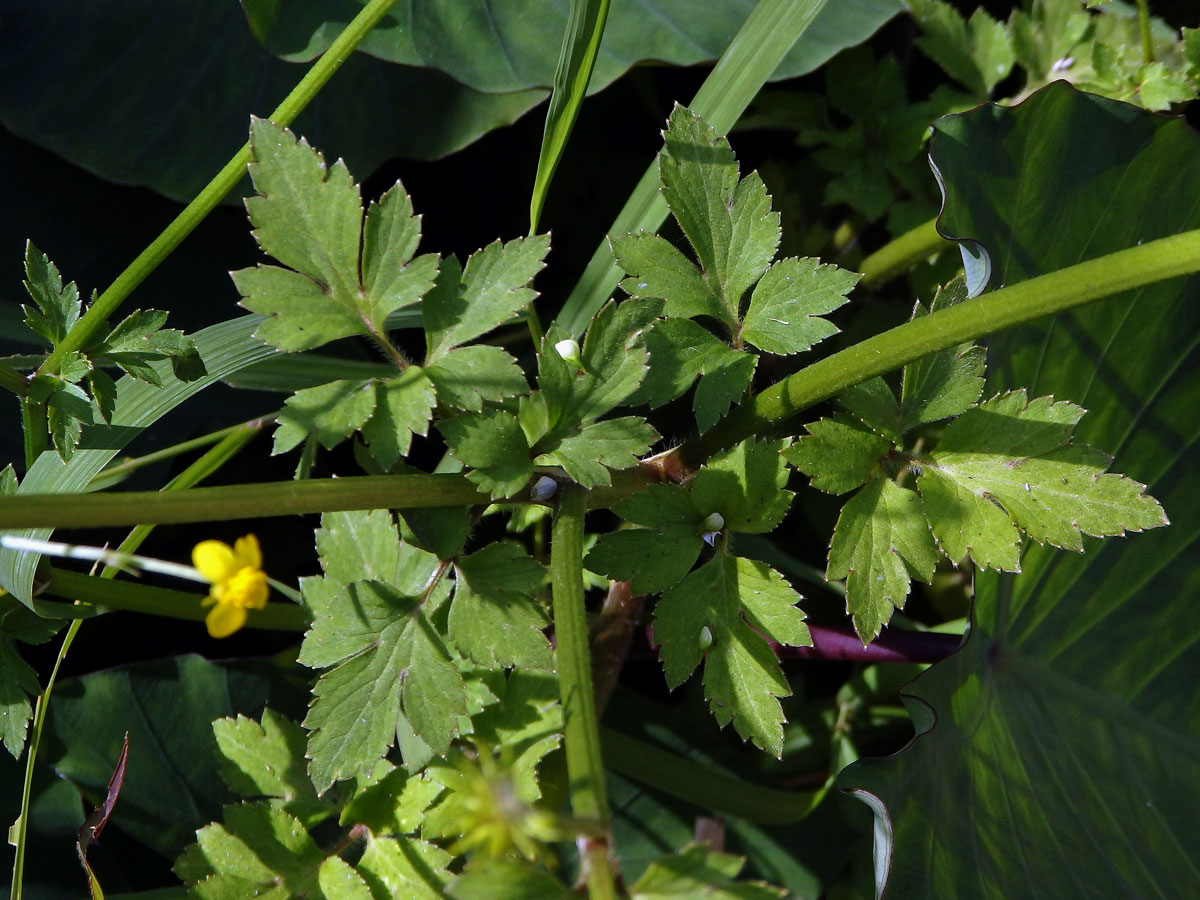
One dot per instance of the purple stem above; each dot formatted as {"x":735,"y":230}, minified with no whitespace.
{"x":895,"y":645}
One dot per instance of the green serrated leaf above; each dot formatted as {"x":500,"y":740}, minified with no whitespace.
{"x":267,"y":760}
{"x":359,"y":544}
{"x":976,"y":52}
{"x":493,"y":288}
{"x":508,"y":879}
{"x":658,"y":555}
{"x":403,"y":407}
{"x":839,"y":453}
{"x":468,"y":377}
{"x":337,"y":880}
{"x":330,"y":413}
{"x":745,"y":485}
{"x":390,"y":800}
{"x":1008,"y":464}
{"x":309,"y":218}
{"x":404,"y":867}
{"x":739,"y":601}
{"x":697,"y":871}
{"x":104,"y":393}
{"x":729,"y":223}
{"x":612,"y":364}
{"x":785,"y":308}
{"x":494,"y":446}
{"x":18,"y":685}
{"x":875,"y":403}
{"x":58,"y":305}
{"x":946,"y":383}
{"x":68,"y":409}
{"x":881,"y":541}
{"x":682,"y":350}
{"x":261,"y":846}
{"x":657,"y":269}
{"x":527,"y":719}
{"x":494,"y":619}
{"x":387,"y":659}
{"x":611,"y":444}
{"x":74,"y":367}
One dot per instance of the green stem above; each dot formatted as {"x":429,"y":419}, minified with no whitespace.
{"x":585,"y":766}
{"x":1045,"y":295}
{"x":35,"y":740}
{"x":96,"y":591}
{"x":33,"y":427}
{"x":1143,"y":8}
{"x":12,"y":380}
{"x":769,"y":32}
{"x":703,"y":786}
{"x":238,"y":501}
{"x":240,"y":433}
{"x":902,"y":254}
{"x":93,"y":321}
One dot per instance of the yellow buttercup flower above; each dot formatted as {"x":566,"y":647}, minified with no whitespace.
{"x":238,"y":582}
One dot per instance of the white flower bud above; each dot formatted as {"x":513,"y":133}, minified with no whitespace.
{"x":569,"y":350}
{"x":706,"y":638}
{"x":714,"y":522}
{"x":543,"y":489}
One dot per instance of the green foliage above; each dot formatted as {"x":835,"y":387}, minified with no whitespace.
{"x":1003,"y":467}
{"x":136,"y":342}
{"x":734,"y":234}
{"x":18,"y":680}
{"x":697,"y":871}
{"x":720,"y":612}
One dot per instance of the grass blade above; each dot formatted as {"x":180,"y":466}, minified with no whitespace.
{"x":753,"y":54}
{"x":576,"y":60}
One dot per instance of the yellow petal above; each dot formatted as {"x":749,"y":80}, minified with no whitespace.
{"x":248,"y":588}
{"x":214,"y":560}
{"x":225,"y":619}
{"x":247,"y":551}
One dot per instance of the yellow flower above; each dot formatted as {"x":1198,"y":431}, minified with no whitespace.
{"x":238,"y":582}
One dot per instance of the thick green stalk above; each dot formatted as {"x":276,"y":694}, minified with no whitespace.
{"x":91,"y":323}
{"x":768,"y":33}
{"x":1143,"y":9}
{"x":900,"y":255}
{"x":1045,"y":295}
{"x":13,"y":380}
{"x":581,"y":733}
{"x":95,"y":591}
{"x":237,"y":501}
{"x":705,"y":787}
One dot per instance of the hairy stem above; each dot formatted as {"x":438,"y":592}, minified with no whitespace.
{"x":585,"y":767}
{"x":1045,"y":295}
{"x":93,"y":321}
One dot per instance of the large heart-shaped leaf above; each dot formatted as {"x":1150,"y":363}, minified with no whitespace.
{"x":172,"y":105}
{"x":514,"y":46}
{"x":172,"y":783}
{"x":1061,"y":749}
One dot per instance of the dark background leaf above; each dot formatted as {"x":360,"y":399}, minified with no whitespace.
{"x":1064,"y":755}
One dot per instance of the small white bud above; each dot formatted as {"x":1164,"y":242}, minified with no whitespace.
{"x":543,"y":489}
{"x":714,"y":522}
{"x":569,"y":350}
{"x":706,"y":638}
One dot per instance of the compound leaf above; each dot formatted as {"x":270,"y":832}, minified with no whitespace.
{"x":58,"y":305}
{"x":467,"y":377}
{"x":492,"y":289}
{"x":786,"y":305}
{"x":403,"y":407}
{"x":657,"y":269}
{"x":329,"y":412}
{"x":600,"y":446}
{"x":387,"y":660}
{"x":745,"y":485}
{"x":1008,"y":464}
{"x":494,"y":619}
{"x":309,"y":217}
{"x":880,"y":543}
{"x":839,"y":453}
{"x":493,"y":444}
{"x":740,"y":601}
